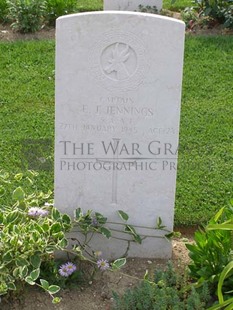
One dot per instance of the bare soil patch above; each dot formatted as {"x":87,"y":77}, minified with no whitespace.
{"x":98,"y":294}
{"x":7,"y":34}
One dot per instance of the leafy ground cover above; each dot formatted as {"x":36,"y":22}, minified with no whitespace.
{"x":204,"y":181}
{"x":98,"y":293}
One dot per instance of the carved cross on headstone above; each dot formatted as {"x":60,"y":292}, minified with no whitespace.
{"x":114,"y":173}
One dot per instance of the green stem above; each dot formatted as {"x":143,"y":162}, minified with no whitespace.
{"x":85,"y":258}
{"x":138,"y":226}
{"x":123,"y":232}
{"x":92,"y":234}
{"x":82,"y":246}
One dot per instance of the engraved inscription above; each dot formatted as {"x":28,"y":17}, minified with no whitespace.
{"x":162,"y":131}
{"x":124,"y":110}
{"x":117,"y":100}
{"x":98,"y":128}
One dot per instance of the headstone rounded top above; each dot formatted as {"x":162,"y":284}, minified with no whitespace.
{"x":121,"y":13}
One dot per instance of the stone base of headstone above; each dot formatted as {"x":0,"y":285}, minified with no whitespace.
{"x":112,"y":249}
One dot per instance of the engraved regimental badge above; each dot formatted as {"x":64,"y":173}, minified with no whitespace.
{"x":118,"y":61}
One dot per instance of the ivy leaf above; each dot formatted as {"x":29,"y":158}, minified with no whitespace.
{"x":35,"y":274}
{"x":66,"y":219}
{"x":18,"y":176}
{"x":56,"y":300}
{"x":53,"y":289}
{"x":124,"y":216}
{"x":100,"y":218}
{"x":1,"y":218}
{"x":12,"y":216}
{"x":29,"y":280}
{"x":146,"y":275}
{"x":16,"y":272}
{"x":35,"y":260}
{"x":137,"y":238}
{"x":117,"y":264}
{"x":18,"y":194}
{"x":55,"y":214}
{"x":50,"y":249}
{"x":63,"y":243}
{"x":129,"y":229}
{"x":169,"y":235}
{"x":78,"y":213}
{"x":56,"y":227}
{"x":23,"y":271}
{"x":159,"y":223}
{"x":44,"y":283}
{"x":106,"y":232}
{"x":11,"y":286}
{"x":45,"y":227}
{"x":7,"y":257}
{"x":2,"y":191}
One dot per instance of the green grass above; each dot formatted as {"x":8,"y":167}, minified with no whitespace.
{"x":97,"y":5}
{"x":26,"y":102}
{"x":90,"y":5}
{"x":178,"y":5}
{"x":205,"y":160}
{"x":204,"y":181}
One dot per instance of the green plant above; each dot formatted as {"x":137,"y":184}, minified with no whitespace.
{"x":176,"y":5}
{"x":227,"y":272}
{"x":28,"y":15}
{"x":3,"y":10}
{"x":228,"y":16}
{"x":189,"y":16}
{"x":212,"y":254}
{"x":30,"y":232}
{"x":56,"y":8}
{"x":148,"y":9}
{"x":90,"y":223}
{"x":168,"y":290}
{"x":31,"y":229}
{"x":49,"y":271}
{"x":9,"y":181}
{"x":220,"y":10}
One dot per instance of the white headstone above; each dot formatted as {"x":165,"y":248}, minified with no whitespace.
{"x":131,"y":5}
{"x":118,"y":93}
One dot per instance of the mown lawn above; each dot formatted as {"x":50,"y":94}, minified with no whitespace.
{"x":204,"y":181}
{"x":90,"y":5}
{"x":97,"y":5}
